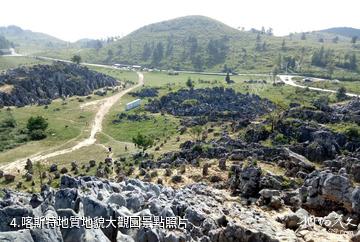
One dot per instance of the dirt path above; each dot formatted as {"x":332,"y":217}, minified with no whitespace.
{"x":288,"y":81}
{"x":96,"y":127}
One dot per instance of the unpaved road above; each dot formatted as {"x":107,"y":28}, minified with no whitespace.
{"x":288,"y":81}
{"x":96,"y":127}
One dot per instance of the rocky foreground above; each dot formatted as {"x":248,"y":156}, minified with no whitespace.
{"x":205,"y":213}
{"x":40,"y":84}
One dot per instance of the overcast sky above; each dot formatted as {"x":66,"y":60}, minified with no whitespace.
{"x":74,"y":19}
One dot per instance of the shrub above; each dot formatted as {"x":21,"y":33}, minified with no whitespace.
{"x":8,"y":123}
{"x":37,"y":134}
{"x":352,"y":132}
{"x":280,"y":139}
{"x":35,"y":123}
{"x":341,"y":94}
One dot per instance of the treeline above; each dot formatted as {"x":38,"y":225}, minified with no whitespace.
{"x":327,"y":58}
{"x":201,"y":56}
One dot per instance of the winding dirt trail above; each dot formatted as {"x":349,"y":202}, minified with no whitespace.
{"x":287,"y":79}
{"x":96,"y":127}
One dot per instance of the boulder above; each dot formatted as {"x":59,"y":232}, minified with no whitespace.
{"x":9,"y":178}
{"x":117,"y":199}
{"x":9,"y":213}
{"x":64,"y":170}
{"x":53,"y":167}
{"x":67,"y":198}
{"x":16,"y":236}
{"x":246,"y":181}
{"x":92,"y":163}
{"x":95,"y":208}
{"x":52,"y":234}
{"x":324,"y":192}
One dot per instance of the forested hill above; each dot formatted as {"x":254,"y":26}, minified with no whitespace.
{"x":344,"y":31}
{"x":28,"y":41}
{"x":4,"y":43}
{"x":204,"y":44}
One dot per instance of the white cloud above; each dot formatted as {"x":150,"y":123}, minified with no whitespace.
{"x":75,"y":19}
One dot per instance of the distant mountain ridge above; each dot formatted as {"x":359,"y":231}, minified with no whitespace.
{"x":344,"y":31}
{"x":204,"y":44}
{"x":29,"y":40}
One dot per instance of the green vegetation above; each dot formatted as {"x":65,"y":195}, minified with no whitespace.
{"x":76,"y":59}
{"x":10,"y":134}
{"x":351,"y":130}
{"x":36,"y":127}
{"x":158,"y":126}
{"x":203,"y":44}
{"x":341,"y":94}
{"x":4,"y":43}
{"x":195,"y":132}
{"x":8,"y":62}
{"x":67,"y":122}
{"x":143,"y":141}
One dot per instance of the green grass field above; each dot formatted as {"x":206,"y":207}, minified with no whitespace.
{"x":8,"y":62}
{"x":351,"y":86}
{"x":68,"y":122}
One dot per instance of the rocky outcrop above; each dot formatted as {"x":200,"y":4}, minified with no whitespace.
{"x":211,"y":104}
{"x":40,"y":84}
{"x":324,"y":192}
{"x":206,"y":214}
{"x":145,"y":92}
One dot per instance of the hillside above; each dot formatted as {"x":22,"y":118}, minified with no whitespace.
{"x":204,"y":44}
{"x":344,"y":31}
{"x":4,"y":43}
{"x":28,"y":41}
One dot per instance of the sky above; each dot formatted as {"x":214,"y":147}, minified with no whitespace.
{"x":71,"y":20}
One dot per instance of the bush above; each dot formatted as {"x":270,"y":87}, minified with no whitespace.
{"x":8,"y":123}
{"x":341,"y":94}
{"x":280,"y":139}
{"x":352,"y":132}
{"x":37,"y":134}
{"x":35,"y":123}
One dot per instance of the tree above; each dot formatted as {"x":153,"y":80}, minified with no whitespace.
{"x":35,"y":123}
{"x":322,"y":57}
{"x":189,"y":83}
{"x":270,"y":31}
{"x":352,"y":62}
{"x":283,"y":45}
{"x":76,"y":59}
{"x":158,"y":53}
{"x":227,"y":78}
{"x":341,"y":94}
{"x":143,"y":141}
{"x":146,"y":52}
{"x":303,"y":36}
{"x":335,"y":40}
{"x":354,"y":39}
{"x":262,"y":30}
{"x":40,"y":168}
{"x":37,"y":126}
{"x":275,"y":72}
{"x":195,"y":132}
{"x":276,"y":116}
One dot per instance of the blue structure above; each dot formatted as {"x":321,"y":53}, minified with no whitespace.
{"x":133,"y":104}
